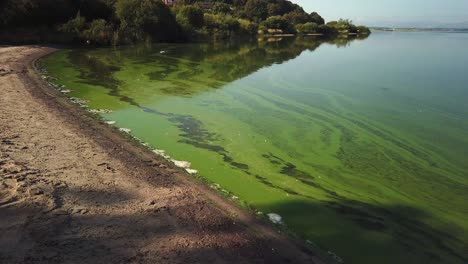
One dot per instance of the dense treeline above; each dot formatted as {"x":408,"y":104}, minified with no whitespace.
{"x":96,"y":21}
{"x":129,"y":21}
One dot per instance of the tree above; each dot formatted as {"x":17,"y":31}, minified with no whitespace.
{"x":33,"y":13}
{"x":220,"y":7}
{"x":190,"y":16}
{"x":297,"y":17}
{"x":352,"y":29}
{"x":99,"y":31}
{"x":147,"y":18}
{"x":345,"y":22}
{"x":239,"y":3}
{"x":363,"y":30}
{"x":279,"y":8}
{"x":221,"y":26}
{"x":327,"y":30}
{"x":316,"y":18}
{"x":248,"y":27}
{"x":256,"y":10}
{"x":344,"y":26}
{"x":274,"y":9}
{"x":95,"y":9}
{"x":277,"y":22}
{"x":307,"y":28}
{"x":75,"y":25}
{"x":126,"y":21}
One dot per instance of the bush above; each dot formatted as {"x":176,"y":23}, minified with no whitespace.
{"x":221,"y":26}
{"x":279,"y":23}
{"x":333,"y":24}
{"x":75,"y":25}
{"x":140,"y":19}
{"x":328,"y":30}
{"x":262,"y":29}
{"x":343,"y":26}
{"x":297,"y":17}
{"x":307,"y":28}
{"x":363,"y":30}
{"x":316,"y":18}
{"x":99,"y":32}
{"x":247,"y":27}
{"x":190,"y":16}
{"x":220,"y":7}
{"x":255,"y":10}
{"x":352,"y":29}
{"x":279,"y":8}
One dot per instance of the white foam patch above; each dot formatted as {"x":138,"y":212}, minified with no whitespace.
{"x":100,"y":111}
{"x":159,"y":151}
{"x":182,"y":164}
{"x":126,"y":130}
{"x":191,"y":171}
{"x":275,"y":218}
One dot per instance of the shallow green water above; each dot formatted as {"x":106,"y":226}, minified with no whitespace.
{"x":361,"y":146}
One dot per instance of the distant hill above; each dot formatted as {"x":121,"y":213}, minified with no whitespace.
{"x":420,"y":25}
{"x":419,"y":29}
{"x":460,"y":25}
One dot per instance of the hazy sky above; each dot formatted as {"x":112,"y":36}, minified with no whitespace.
{"x":380,"y":12}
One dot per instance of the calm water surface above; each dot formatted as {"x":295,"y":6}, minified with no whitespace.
{"x":360,"y":145}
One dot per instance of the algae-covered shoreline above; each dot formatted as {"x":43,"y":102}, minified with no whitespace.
{"x":309,"y":151}
{"x":74,"y":190}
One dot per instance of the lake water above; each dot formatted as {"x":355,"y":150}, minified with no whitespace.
{"x":360,"y":145}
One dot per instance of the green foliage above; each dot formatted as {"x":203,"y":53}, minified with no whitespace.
{"x":135,"y":15}
{"x":222,"y":8}
{"x":128,"y":21}
{"x":255,"y":10}
{"x":328,"y":30}
{"x":346,"y":26}
{"x":278,"y":23}
{"x":75,"y":25}
{"x":96,"y":9}
{"x":247,"y":27}
{"x":142,"y":19}
{"x":345,"y":22}
{"x":297,"y":17}
{"x":221,"y":26}
{"x":190,"y":16}
{"x":99,"y":31}
{"x":316,"y":18}
{"x":363,"y":30}
{"x":228,"y":18}
{"x":307,"y":28}
{"x":279,"y":8}
{"x":300,"y":17}
{"x":352,"y":29}
{"x":239,"y":3}
{"x":333,"y":24}
{"x":24,"y":13}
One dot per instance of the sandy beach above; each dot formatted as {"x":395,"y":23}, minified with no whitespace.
{"x":74,"y":190}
